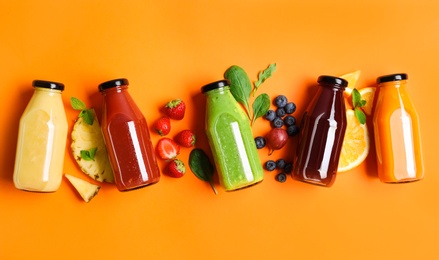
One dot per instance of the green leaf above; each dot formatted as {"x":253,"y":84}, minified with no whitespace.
{"x":201,"y":166}
{"x":264,"y":75}
{"x":87,"y":115}
{"x":240,"y":85}
{"x":356,"y":98}
{"x":89,"y":155}
{"x":260,"y":106}
{"x":77,"y":104}
{"x":359,"y":114}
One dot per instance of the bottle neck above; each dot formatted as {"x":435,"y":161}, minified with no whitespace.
{"x":217,"y":91}
{"x":394,"y":84}
{"x":47,"y":91}
{"x":114,"y":90}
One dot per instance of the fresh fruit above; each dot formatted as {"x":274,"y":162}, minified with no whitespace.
{"x":88,"y":140}
{"x":162,"y":126}
{"x":270,"y":115}
{"x":355,"y":146}
{"x":281,"y":177}
{"x":290,"y":108}
{"x":352,"y":79}
{"x":288,"y":168}
{"x":175,"y":109}
{"x":175,"y":168}
{"x":281,"y":101}
{"x":280,"y":164}
{"x":260,"y":142}
{"x":87,"y":190}
{"x":368,"y":94}
{"x":292,"y":130}
{"x":167,"y":149}
{"x":276,"y":139}
{"x":270,"y":165}
{"x":278,"y":122}
{"x":280,"y":112}
{"x":289,"y":120}
{"x":185,"y":138}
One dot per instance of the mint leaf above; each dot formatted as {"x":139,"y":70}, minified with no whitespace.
{"x":260,"y":106}
{"x":77,"y":104}
{"x":359,"y":114}
{"x":87,"y":115}
{"x":357,"y":102}
{"x":356,"y":98}
{"x":89,"y":155}
{"x":264,"y":75}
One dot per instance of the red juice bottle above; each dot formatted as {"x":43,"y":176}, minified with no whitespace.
{"x":127,"y":138}
{"x":321,"y":134}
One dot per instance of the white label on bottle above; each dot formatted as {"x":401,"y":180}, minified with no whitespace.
{"x":242,"y":152}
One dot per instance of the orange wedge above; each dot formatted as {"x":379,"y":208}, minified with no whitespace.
{"x":355,"y":144}
{"x":352,"y":79}
{"x":368,"y":94}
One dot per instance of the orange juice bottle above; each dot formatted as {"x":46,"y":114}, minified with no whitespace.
{"x":396,"y":129}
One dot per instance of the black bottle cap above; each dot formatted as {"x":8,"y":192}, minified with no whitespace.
{"x":113,"y":83}
{"x":214,"y":85}
{"x":392,"y":77}
{"x":48,"y":84}
{"x":338,"y":82}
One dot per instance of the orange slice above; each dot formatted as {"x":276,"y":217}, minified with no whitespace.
{"x":368,"y":94}
{"x":355,"y":144}
{"x":352,"y":79}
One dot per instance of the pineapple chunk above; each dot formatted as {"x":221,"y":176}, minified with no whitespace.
{"x":84,"y":138}
{"x":85,"y":189}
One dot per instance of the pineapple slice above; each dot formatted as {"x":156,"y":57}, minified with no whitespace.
{"x":88,"y":138}
{"x":85,"y":189}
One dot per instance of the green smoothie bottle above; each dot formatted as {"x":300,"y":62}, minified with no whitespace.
{"x":230,"y":138}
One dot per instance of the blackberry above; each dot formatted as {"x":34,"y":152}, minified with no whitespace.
{"x":290,"y":108}
{"x":281,"y":177}
{"x":270,"y":165}
{"x":270,"y":115}
{"x":288,"y":168}
{"x":292,"y":130}
{"x":281,"y":101}
{"x":278,"y":122}
{"x":280,"y":164}
{"x":260,"y":142}
{"x":280,"y":112}
{"x":289,"y":120}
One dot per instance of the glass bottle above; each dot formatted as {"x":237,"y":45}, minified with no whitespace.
{"x":396,"y":131}
{"x":230,"y":138}
{"x":42,"y":138}
{"x":321,"y":134}
{"x":127,"y":138}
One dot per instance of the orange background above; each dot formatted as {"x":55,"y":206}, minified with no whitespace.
{"x":169,"y":49}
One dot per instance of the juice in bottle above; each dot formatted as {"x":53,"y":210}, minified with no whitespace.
{"x":396,"y":130}
{"x":126,"y":135}
{"x":42,"y":138}
{"x":230,"y":138}
{"x":321,"y":134}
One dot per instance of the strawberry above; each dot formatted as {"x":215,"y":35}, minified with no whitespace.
{"x":167,"y":149}
{"x":175,"y":109}
{"x":162,"y":126}
{"x":185,"y":138}
{"x":175,"y":168}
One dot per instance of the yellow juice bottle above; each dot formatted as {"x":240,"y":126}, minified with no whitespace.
{"x":397,"y":134}
{"x":42,"y":137}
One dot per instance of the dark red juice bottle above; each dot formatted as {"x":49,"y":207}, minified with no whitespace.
{"x":322,"y":133}
{"x":127,"y":138}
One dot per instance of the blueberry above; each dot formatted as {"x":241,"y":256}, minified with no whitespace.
{"x":290,"y":108}
{"x":280,"y":164}
{"x":281,"y":177}
{"x":289,"y":120}
{"x":280,"y":101}
{"x":292,"y":130}
{"x":260,"y":142}
{"x":278,"y":122}
{"x":288,"y":168}
{"x":270,"y":115}
{"x":270,"y":165}
{"x":280,"y":112}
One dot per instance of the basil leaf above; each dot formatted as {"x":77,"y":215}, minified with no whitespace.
{"x":89,"y":155}
{"x":88,"y":116}
{"x":359,"y":114}
{"x":201,"y":166}
{"x":264,"y":75}
{"x":77,"y":104}
{"x":260,"y":106}
{"x":240,"y":85}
